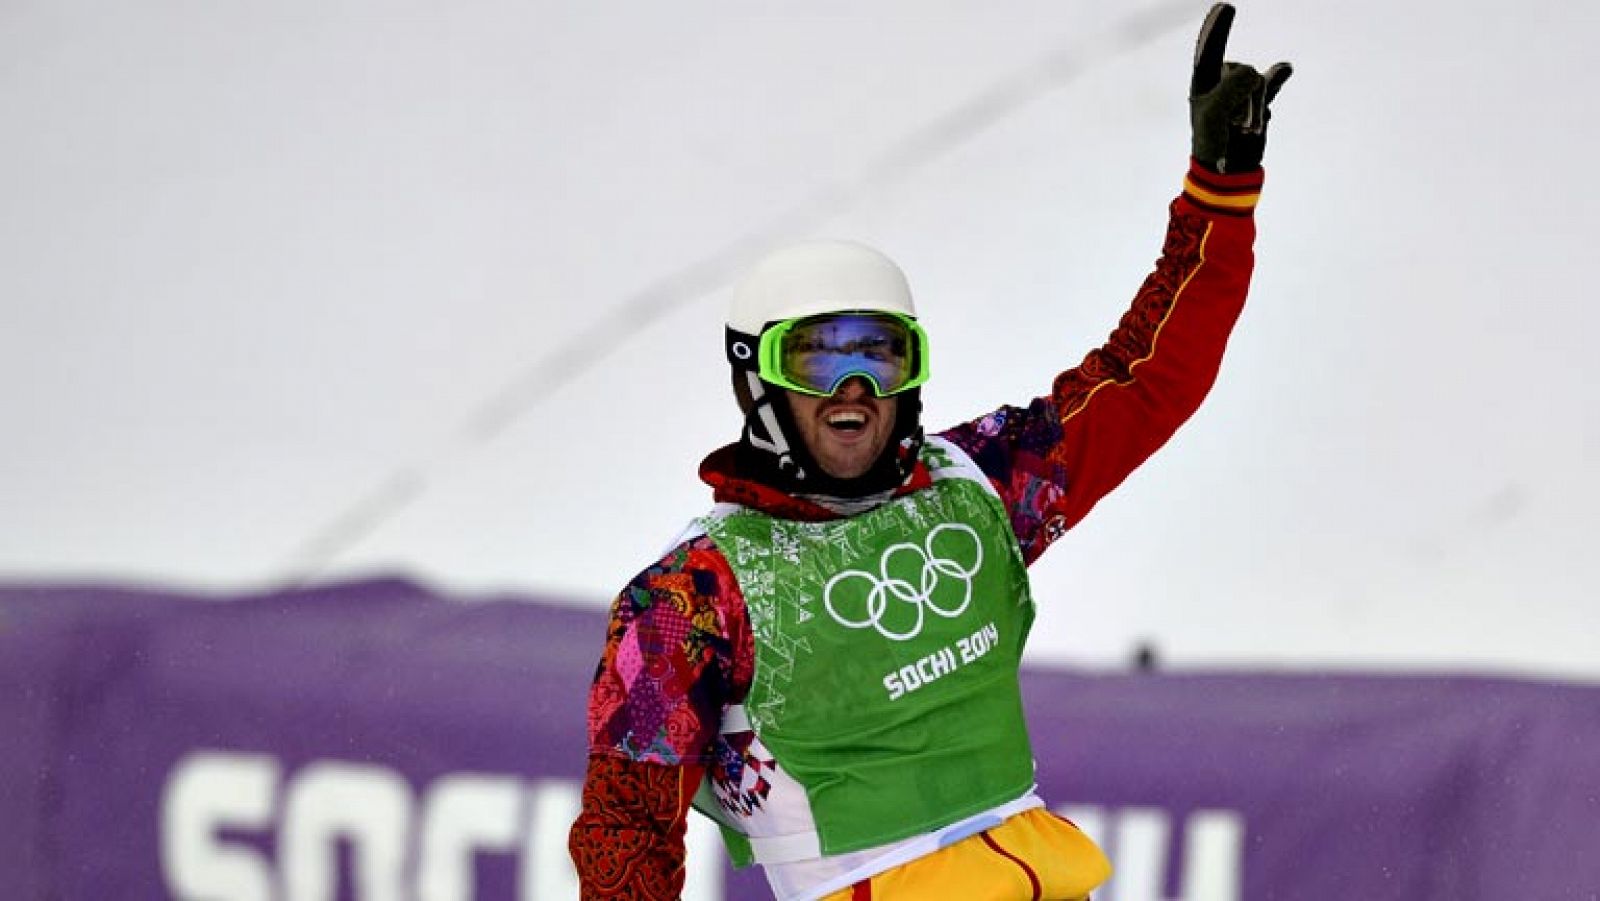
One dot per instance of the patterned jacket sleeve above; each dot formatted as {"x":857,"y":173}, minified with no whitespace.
{"x":678,"y":648}
{"x":1053,"y":460}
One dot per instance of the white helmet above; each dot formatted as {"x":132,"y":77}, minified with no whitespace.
{"x":818,"y":277}
{"x":809,"y":279}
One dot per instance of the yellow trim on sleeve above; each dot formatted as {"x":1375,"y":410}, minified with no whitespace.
{"x":1154,"y":339}
{"x":1226,"y":201}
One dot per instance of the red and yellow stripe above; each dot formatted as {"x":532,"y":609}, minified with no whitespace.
{"x":1234,"y":195}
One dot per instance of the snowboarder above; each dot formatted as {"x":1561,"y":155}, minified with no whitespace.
{"x":826,"y":663}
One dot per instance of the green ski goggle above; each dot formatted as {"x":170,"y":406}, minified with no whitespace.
{"x":816,"y":354}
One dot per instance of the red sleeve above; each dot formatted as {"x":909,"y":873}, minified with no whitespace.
{"x":678,"y":650}
{"x":1055,"y":459}
{"x":627,"y":842}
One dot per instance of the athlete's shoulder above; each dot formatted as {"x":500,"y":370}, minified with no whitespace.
{"x":948,"y":459}
{"x":677,"y":649}
{"x":693,"y":573}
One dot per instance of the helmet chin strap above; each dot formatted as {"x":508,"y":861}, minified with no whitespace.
{"x":762,"y":430}
{"x":787,"y":463}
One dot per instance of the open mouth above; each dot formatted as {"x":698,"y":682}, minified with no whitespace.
{"x":849,"y":421}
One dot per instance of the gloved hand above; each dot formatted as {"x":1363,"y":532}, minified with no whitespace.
{"x":1229,"y":102}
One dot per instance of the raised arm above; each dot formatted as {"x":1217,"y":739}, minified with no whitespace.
{"x":1053,"y":460}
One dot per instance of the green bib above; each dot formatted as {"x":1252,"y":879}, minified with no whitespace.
{"x":887,"y":648}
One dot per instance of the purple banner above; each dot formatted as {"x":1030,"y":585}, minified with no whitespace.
{"x":377,"y":741}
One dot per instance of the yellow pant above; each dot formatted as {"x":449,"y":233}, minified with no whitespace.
{"x":1034,"y":855}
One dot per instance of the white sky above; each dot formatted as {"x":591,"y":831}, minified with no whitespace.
{"x":259,"y":261}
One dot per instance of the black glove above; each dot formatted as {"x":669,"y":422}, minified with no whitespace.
{"x":1229,"y":103}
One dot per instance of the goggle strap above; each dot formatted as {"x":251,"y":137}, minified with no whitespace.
{"x":743,"y":350}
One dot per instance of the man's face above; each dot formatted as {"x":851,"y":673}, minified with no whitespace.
{"x":846,"y":432}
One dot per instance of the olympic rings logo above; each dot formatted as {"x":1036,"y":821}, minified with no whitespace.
{"x":884,"y":587}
